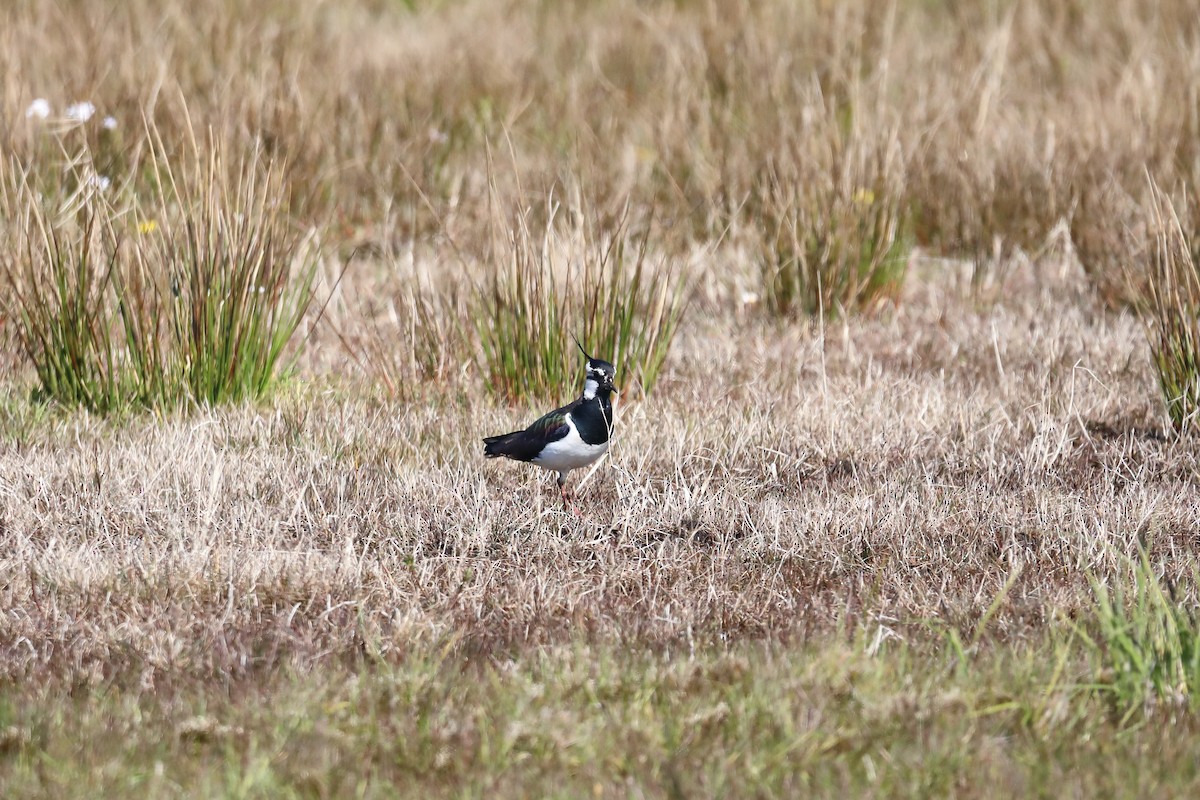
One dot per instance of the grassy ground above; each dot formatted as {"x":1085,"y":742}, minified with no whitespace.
{"x":340,"y":578}
{"x":762,"y":720}
{"x":853,"y":551}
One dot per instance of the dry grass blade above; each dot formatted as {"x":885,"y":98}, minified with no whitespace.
{"x":409,"y":338}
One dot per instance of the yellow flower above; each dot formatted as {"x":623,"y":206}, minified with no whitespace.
{"x":864,"y":197}
{"x":149,"y":226}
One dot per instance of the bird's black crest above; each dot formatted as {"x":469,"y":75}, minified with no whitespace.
{"x":577,"y":344}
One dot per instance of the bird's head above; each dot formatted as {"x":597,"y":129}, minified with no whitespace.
{"x":600,"y":376}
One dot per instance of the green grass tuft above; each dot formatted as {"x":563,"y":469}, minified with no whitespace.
{"x":240,"y":279}
{"x":578,"y":282}
{"x":835,"y":239}
{"x":58,"y":273}
{"x":1147,"y":644}
{"x":1171,"y":313}
{"x":192,"y":296}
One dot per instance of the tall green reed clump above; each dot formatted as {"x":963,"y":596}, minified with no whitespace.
{"x":239,"y":279}
{"x":835,"y":235}
{"x":1170,"y":311}
{"x":191,"y":295}
{"x":573,"y":280}
{"x":1146,"y":644}
{"x":58,"y":278}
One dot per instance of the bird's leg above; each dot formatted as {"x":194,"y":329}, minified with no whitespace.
{"x":562,"y":490}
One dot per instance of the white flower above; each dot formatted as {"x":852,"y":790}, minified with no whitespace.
{"x":437,"y":136}
{"x":80,"y":112}
{"x":38,"y":109}
{"x":109,"y":123}
{"x":101,"y":182}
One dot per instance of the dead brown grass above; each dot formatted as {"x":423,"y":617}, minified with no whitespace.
{"x":893,"y":471}
{"x":1010,"y":116}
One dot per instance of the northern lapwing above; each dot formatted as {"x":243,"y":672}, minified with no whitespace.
{"x":567,"y":438}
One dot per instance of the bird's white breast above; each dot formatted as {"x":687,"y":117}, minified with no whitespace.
{"x":570,"y":452}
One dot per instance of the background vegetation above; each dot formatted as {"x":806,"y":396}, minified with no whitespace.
{"x":904,"y":493}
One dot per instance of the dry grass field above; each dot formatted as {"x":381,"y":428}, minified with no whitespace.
{"x":904,"y":493}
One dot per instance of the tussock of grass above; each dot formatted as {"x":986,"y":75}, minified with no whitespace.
{"x":233,"y":281}
{"x":190,"y":298}
{"x":1171,"y":312}
{"x":835,"y":236}
{"x":58,"y":284}
{"x":574,"y":280}
{"x":1147,"y":641}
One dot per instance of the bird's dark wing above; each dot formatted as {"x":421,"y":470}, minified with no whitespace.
{"x":527,"y":444}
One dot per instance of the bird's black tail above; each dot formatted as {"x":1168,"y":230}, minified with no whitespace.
{"x":497,"y":446}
